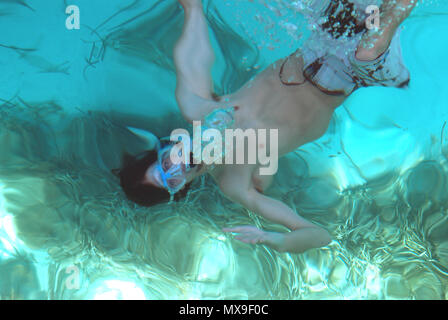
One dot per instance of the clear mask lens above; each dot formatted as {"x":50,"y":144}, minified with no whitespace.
{"x":173,"y":175}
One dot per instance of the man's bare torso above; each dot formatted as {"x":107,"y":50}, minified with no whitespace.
{"x":301,"y":113}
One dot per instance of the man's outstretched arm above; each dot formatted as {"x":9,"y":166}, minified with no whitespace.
{"x":194,"y":58}
{"x":392,"y":14}
{"x":303,"y":234}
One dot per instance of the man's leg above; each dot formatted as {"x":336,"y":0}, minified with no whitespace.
{"x":392,"y":14}
{"x":194,"y":57}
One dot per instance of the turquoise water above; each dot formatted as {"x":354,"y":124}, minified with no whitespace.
{"x":377,"y":180}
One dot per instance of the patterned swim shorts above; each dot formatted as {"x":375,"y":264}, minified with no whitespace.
{"x":329,"y":53}
{"x":341,"y":75}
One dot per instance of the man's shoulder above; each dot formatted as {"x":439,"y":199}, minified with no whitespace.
{"x":231,"y":182}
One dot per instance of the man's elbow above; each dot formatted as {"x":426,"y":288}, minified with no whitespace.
{"x":241,"y":196}
{"x":326,"y":239}
{"x":322,"y":239}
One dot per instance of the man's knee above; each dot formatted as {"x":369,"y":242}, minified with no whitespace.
{"x":363,"y":54}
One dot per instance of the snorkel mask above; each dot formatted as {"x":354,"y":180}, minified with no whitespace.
{"x":173,"y":164}
{"x":173,"y":159}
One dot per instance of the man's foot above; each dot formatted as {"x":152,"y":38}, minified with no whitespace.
{"x":187,"y":4}
{"x":290,"y":71}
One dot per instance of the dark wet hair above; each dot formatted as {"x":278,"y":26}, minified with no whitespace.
{"x":132,"y":176}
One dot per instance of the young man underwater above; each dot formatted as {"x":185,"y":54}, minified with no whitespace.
{"x":296,"y":95}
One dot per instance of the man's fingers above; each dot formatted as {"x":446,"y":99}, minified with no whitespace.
{"x":245,"y":234}
{"x":248,"y":239}
{"x":241,"y":238}
{"x":236,"y":229}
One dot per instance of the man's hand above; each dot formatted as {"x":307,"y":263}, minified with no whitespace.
{"x":254,"y":235}
{"x":248,"y":234}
